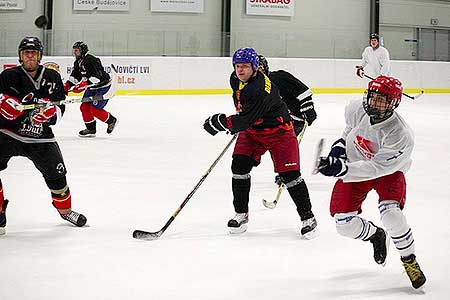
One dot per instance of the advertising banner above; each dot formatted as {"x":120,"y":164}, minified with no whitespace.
{"x":283,"y":8}
{"x":186,"y":6}
{"x":109,"y":5}
{"x":12,"y":4}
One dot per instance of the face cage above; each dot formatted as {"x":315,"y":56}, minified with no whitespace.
{"x":378,"y":106}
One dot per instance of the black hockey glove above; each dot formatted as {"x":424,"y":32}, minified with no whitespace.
{"x":307,"y":110}
{"x":278,"y":180}
{"x":216,"y":123}
{"x":332,"y":166}
{"x":338,"y":149}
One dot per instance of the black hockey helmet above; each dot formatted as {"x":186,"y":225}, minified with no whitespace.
{"x":82,"y":46}
{"x":375,"y":36}
{"x":30,"y":43}
{"x":263,"y":64}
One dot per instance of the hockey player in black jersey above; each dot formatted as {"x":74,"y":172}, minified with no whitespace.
{"x":296,"y":95}
{"x":89,"y":76}
{"x":27,"y":132}
{"x":263,"y":122}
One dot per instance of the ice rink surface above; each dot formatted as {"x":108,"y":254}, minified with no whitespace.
{"x":137,"y":178}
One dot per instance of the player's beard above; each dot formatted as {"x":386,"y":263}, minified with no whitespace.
{"x":30,"y":65}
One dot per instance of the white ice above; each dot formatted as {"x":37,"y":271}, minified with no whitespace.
{"x":138,"y":177}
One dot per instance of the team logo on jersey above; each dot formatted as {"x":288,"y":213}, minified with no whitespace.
{"x":365,"y":147}
{"x":60,"y":168}
{"x":52,"y":66}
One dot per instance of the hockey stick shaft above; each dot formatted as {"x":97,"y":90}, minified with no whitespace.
{"x":404,"y":94}
{"x":139,"y":234}
{"x":111,"y":93}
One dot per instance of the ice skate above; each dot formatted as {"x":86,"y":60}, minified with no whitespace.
{"x":111,"y":124}
{"x":238,"y":224}
{"x":3,"y":217}
{"x":75,"y":218}
{"x":380,"y":242}
{"x":86,"y":133}
{"x":309,"y":228}
{"x":413,"y":271}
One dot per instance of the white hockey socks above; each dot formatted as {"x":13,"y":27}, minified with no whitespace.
{"x":395,"y":223}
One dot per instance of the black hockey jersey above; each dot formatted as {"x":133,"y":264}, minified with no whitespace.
{"x":17,"y":83}
{"x":258,"y":105}
{"x":292,"y":90}
{"x":89,"y":67}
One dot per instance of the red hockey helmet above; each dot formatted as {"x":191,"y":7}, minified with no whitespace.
{"x":383,"y":96}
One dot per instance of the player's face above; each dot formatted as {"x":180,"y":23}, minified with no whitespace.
{"x":30,"y":60}
{"x":374,"y":43}
{"x":378,"y":102}
{"x":76,"y":52}
{"x":243,"y":71}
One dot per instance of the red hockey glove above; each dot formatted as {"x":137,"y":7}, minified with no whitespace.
{"x":67,"y":87}
{"x":359,"y":71}
{"x":80,"y":87}
{"x":45,"y":112}
{"x":10,"y":107}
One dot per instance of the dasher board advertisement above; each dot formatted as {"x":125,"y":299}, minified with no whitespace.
{"x":284,"y":8}
{"x":12,"y":4}
{"x":186,"y":6}
{"x":109,"y":5}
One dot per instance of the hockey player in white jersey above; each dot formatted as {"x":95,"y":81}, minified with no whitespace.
{"x":376,"y":58}
{"x":374,"y":153}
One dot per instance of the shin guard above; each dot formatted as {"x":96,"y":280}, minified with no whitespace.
{"x":241,"y":192}
{"x":395,"y":223}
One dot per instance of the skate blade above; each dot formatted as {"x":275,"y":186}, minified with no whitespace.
{"x":311,"y":235}
{"x":268,"y":204}
{"x":2,"y":231}
{"x":238,"y":230}
{"x":91,"y":135}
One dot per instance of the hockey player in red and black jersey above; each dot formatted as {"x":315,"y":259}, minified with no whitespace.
{"x":264,"y":124}
{"x":89,"y":76}
{"x":296,"y":95}
{"x":28,"y":132}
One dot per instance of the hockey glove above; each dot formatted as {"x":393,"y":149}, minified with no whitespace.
{"x":10,"y":107}
{"x":216,"y":123}
{"x":80,"y":87}
{"x":44,"y":113}
{"x":67,"y":87}
{"x":332,"y":166}
{"x":359,"y":71}
{"x":338,"y":149}
{"x":278,"y":180}
{"x":307,"y":110}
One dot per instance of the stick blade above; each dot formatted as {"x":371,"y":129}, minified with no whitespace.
{"x":268,"y":204}
{"x":145,"y":235}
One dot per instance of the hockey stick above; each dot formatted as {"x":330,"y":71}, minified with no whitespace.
{"x":406,"y":95}
{"x":317,"y":156}
{"x":269,"y":204}
{"x":110,"y":94}
{"x":149,"y":236}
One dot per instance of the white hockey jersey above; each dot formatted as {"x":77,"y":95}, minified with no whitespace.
{"x":378,"y":61}
{"x":375,"y":150}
